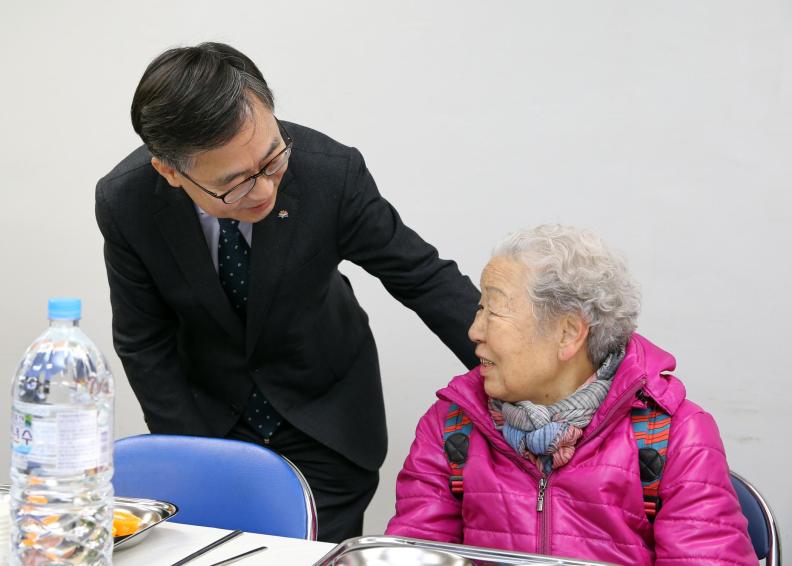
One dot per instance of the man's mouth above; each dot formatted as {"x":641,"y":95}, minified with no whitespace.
{"x":260,"y":206}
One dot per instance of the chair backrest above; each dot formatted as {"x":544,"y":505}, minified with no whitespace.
{"x":217,"y":482}
{"x":762,"y":526}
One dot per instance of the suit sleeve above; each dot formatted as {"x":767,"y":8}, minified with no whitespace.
{"x":425,"y":506}
{"x":373,"y":236}
{"x":700,"y":519}
{"x":144,"y":335}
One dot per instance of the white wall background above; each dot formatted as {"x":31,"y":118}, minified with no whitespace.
{"x":666,"y":126}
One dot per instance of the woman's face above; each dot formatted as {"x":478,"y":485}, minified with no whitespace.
{"x":518,"y":362}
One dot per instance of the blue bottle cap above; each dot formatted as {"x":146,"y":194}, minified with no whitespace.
{"x":64,"y":308}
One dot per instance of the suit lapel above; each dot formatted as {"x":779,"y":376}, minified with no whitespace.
{"x":178,"y":222}
{"x":272,"y":240}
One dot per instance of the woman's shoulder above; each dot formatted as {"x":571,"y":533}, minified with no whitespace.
{"x":464,"y":392}
{"x":464,"y":389}
{"x":692,"y":426}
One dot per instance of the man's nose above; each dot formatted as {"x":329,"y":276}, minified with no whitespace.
{"x":264,"y":187}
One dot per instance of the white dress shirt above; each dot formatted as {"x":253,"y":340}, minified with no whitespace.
{"x":211,"y":230}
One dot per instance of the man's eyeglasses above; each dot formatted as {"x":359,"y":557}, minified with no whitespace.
{"x":238,"y":191}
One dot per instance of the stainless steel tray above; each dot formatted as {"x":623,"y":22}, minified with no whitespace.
{"x":402,"y":551}
{"x":151,"y":513}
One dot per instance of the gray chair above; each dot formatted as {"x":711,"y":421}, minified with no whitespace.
{"x":762,"y":526}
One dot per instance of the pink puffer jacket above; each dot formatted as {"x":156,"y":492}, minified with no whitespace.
{"x":593,"y":506}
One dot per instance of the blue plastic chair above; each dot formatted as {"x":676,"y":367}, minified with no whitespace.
{"x":762,"y":526}
{"x":215,"y":482}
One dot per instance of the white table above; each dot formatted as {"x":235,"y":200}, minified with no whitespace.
{"x":170,"y":542}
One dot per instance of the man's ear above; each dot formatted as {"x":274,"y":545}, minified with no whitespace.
{"x":170,"y":173}
{"x":574,"y":331}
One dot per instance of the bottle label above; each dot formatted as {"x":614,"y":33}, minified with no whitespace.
{"x":60,"y":439}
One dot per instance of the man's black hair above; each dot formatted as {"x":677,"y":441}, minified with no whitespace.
{"x":195,"y":98}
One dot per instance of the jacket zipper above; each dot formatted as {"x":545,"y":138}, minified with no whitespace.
{"x":542,"y":515}
{"x":544,"y":528}
{"x":629,"y":394}
{"x":540,"y":497}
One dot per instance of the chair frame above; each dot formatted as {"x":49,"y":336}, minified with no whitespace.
{"x":774,"y":543}
{"x":312,"y":523}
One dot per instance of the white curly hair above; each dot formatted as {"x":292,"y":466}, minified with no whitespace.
{"x":571,"y":270}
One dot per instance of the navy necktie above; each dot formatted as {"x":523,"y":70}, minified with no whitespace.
{"x":233,"y":264}
{"x":233,"y":267}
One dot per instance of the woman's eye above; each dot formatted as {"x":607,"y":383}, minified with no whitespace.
{"x":494,"y":310}
{"x":497,"y":304}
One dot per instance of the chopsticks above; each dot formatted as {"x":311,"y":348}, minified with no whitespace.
{"x":208,"y":547}
{"x":239,"y":556}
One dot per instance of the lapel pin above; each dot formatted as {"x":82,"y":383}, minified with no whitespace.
{"x":283,"y":214}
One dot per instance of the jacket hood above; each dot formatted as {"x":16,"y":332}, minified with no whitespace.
{"x":645,"y":366}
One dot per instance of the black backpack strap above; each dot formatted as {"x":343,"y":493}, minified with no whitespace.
{"x":456,"y":439}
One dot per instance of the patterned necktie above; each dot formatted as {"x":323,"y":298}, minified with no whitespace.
{"x":233,"y":267}
{"x":233,"y":264}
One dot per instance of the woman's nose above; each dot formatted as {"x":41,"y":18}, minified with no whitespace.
{"x":476,"y":330}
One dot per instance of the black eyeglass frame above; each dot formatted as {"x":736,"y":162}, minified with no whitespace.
{"x":287,"y":139}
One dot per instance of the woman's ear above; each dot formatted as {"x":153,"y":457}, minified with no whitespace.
{"x":574,"y":331}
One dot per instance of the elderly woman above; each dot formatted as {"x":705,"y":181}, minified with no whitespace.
{"x":552,"y":463}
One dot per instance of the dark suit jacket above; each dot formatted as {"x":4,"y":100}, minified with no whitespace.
{"x":307,"y":343}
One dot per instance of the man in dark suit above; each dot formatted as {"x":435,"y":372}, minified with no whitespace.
{"x":223,"y":236}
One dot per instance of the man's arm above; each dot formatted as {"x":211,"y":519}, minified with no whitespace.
{"x":373,"y":236}
{"x":144,"y":335}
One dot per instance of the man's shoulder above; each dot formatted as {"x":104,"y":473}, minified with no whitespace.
{"x":129,"y":186}
{"x":136,"y":166}
{"x":310,"y":141}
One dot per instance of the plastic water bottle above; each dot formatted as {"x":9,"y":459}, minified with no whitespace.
{"x":61,"y":447}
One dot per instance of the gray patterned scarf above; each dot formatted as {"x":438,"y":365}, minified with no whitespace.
{"x":547,"y":434}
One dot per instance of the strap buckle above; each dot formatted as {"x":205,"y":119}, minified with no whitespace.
{"x":455,"y":484}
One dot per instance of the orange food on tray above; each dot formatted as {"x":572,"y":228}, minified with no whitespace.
{"x":124,"y":523}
